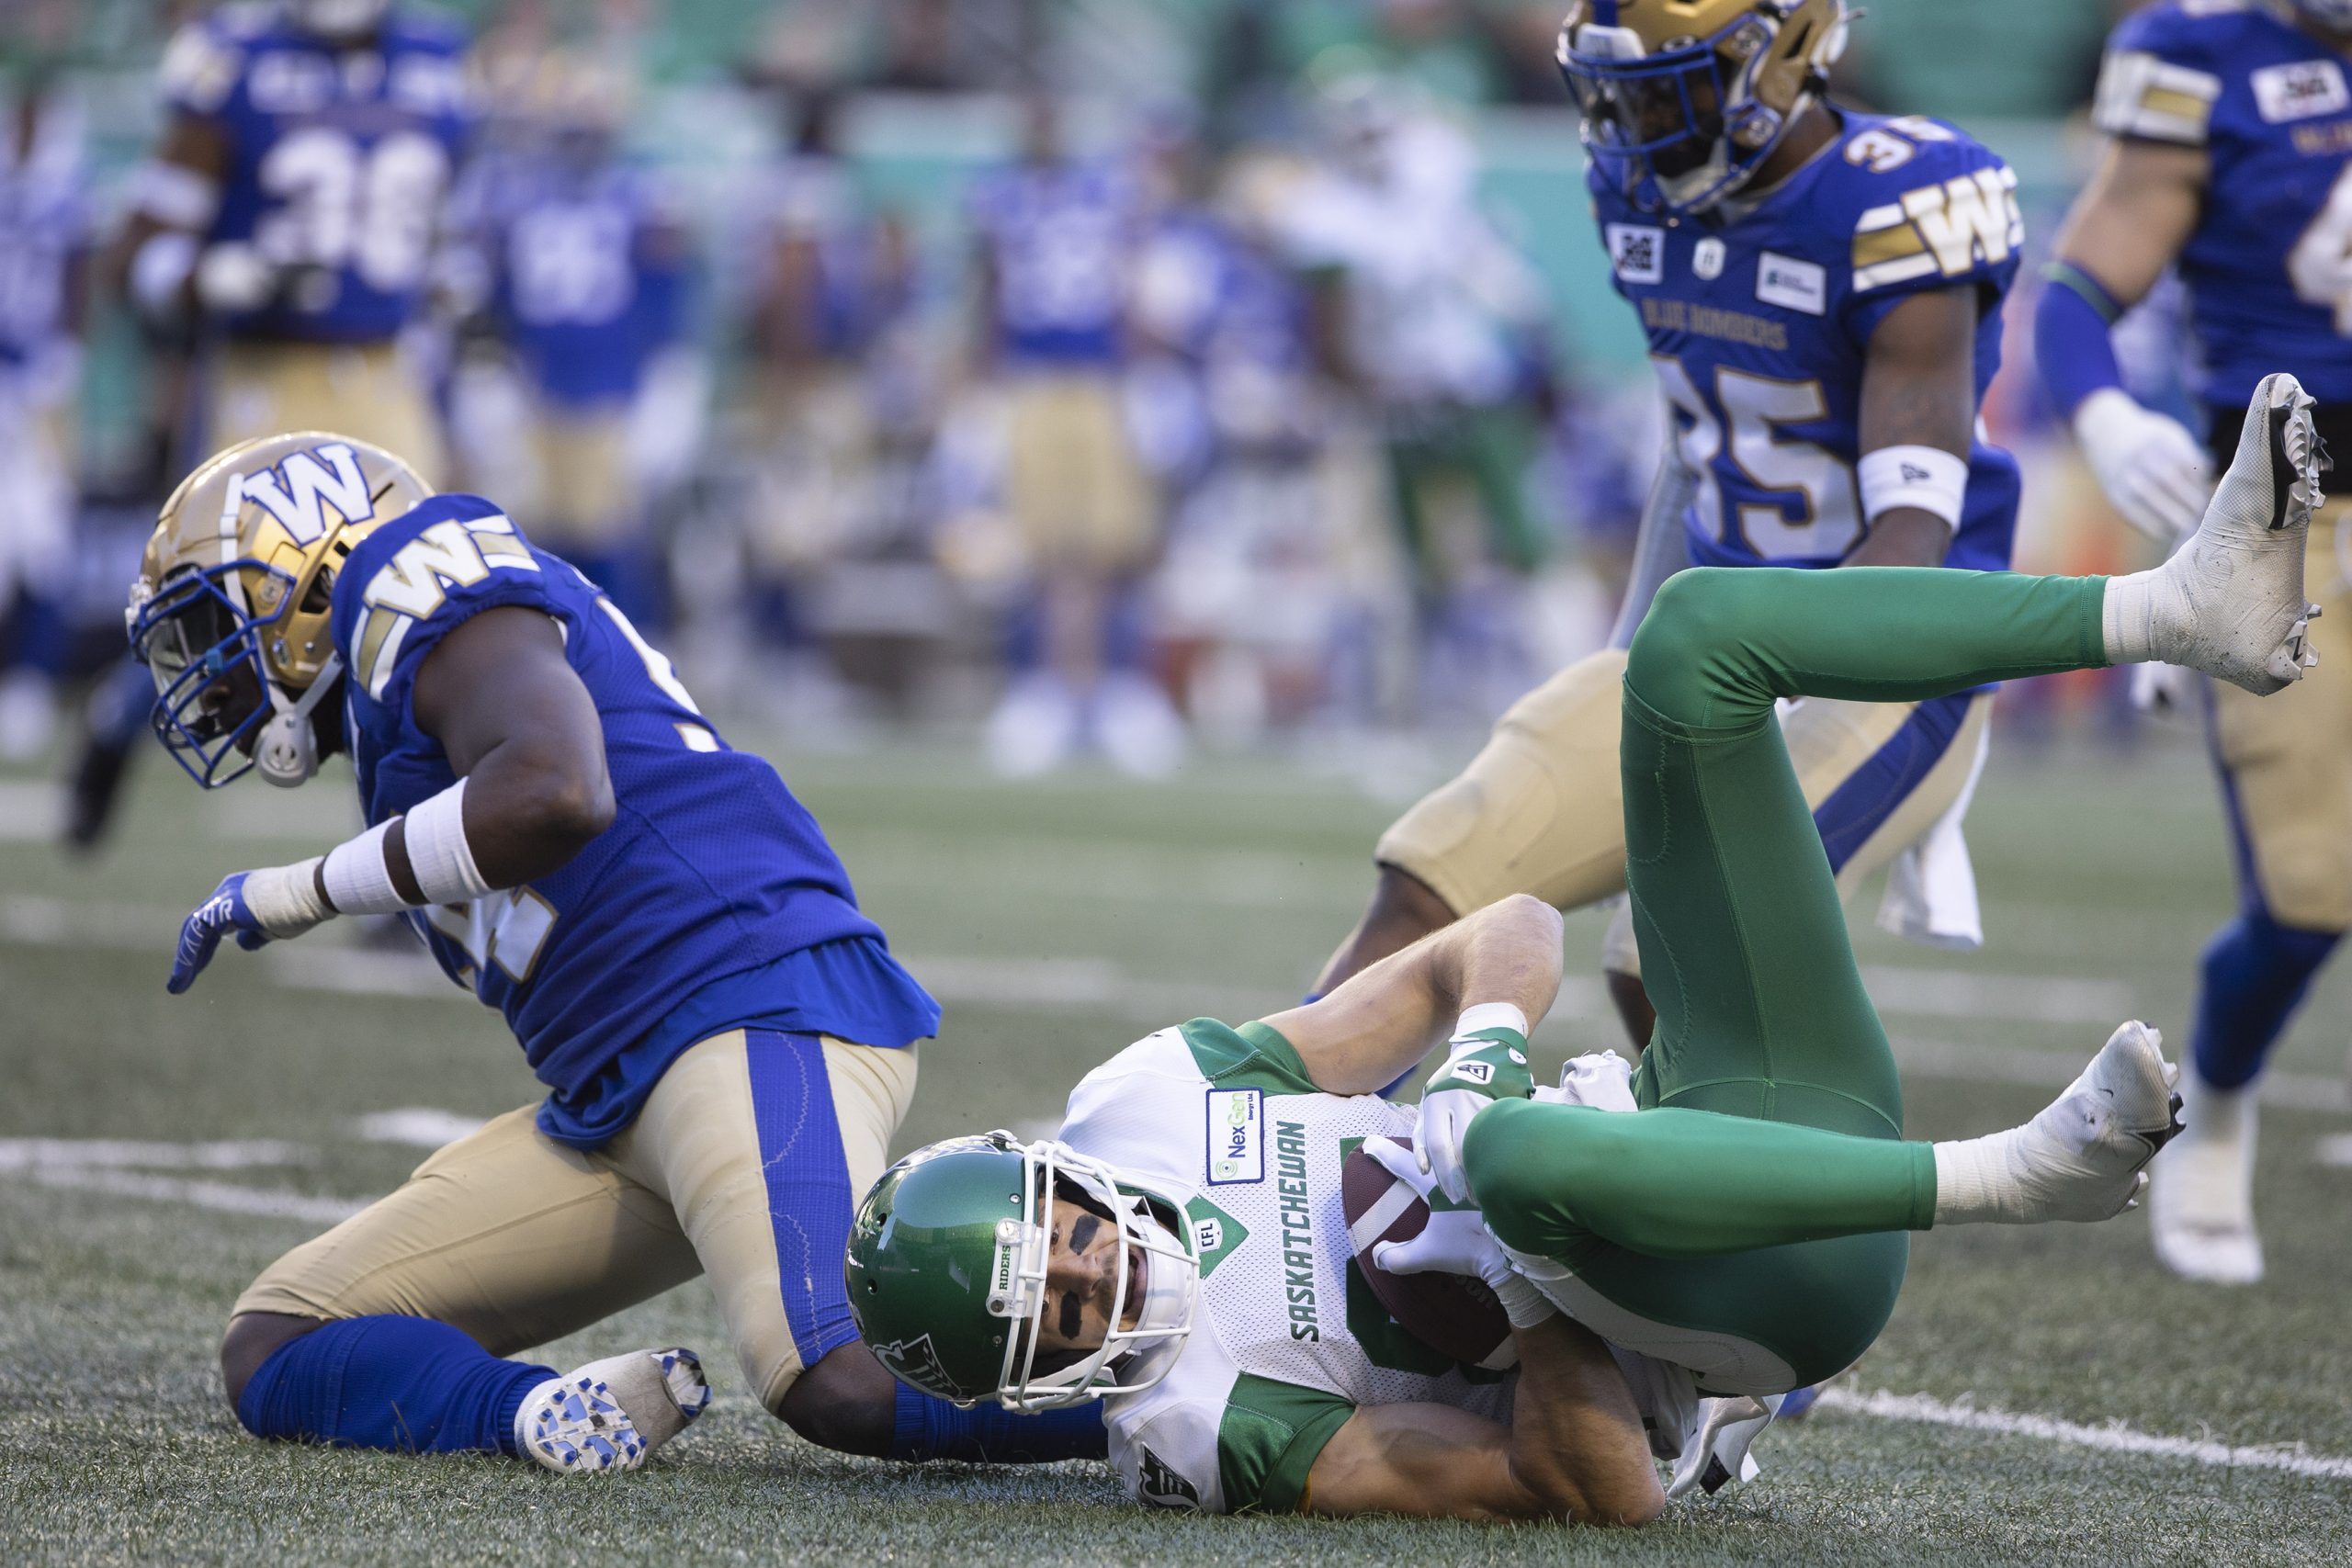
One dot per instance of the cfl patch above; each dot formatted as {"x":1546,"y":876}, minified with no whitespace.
{"x":1637,"y":252}
{"x":1237,"y":1136}
{"x":2299,"y":91}
{"x":1792,"y":283}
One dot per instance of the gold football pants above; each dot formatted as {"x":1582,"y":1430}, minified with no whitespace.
{"x":2286,"y":760}
{"x":1540,"y":809}
{"x":517,"y":1239}
{"x":366,"y":390}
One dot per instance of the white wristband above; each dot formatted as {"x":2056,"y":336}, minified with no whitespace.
{"x":438,"y":851}
{"x":1927,"y":477}
{"x":159,"y":271}
{"x":1490,"y":1015}
{"x":358,"y":878}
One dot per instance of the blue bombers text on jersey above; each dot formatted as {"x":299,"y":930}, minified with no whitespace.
{"x":339,"y":160}
{"x":2268,"y":266}
{"x":712,"y":902}
{"x":584,"y":290}
{"x":1759,"y":325}
{"x":1062,"y":236}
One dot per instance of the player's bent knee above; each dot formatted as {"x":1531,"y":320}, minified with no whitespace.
{"x":1683,"y":628}
{"x":1513,"y":1157}
{"x":253,"y":1338}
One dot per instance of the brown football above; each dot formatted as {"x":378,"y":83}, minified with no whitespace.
{"x":1453,"y":1313}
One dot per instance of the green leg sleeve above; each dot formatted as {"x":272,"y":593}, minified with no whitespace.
{"x":1686,"y":1183}
{"x":1762,"y":1246}
{"x":1761,"y":1011}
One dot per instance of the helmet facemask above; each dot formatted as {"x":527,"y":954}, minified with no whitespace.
{"x":202,"y":644}
{"x":1684,"y":126}
{"x":1131,"y":1358}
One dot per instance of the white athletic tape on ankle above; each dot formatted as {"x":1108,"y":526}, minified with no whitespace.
{"x":1927,"y":477}
{"x":360,"y":880}
{"x":444,"y":863}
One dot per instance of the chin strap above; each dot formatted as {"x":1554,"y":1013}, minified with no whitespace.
{"x":288,"y":752}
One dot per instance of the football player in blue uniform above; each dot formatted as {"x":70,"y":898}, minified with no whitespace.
{"x":1822,"y":292}
{"x":2229,"y":156}
{"x":295,"y":208}
{"x":726,"y":1042}
{"x":588,"y":276}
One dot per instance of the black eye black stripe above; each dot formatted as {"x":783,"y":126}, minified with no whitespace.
{"x":1073,"y":1316}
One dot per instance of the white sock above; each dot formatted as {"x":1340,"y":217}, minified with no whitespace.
{"x":2127,"y":616}
{"x":1973,"y":1183}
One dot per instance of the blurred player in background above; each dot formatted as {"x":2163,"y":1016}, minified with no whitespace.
{"x":1426,"y":314}
{"x":1057,"y":240}
{"x":295,"y":206}
{"x":587,"y":277}
{"x":1821,"y":291}
{"x":726,"y":1039}
{"x":829,"y":280}
{"x":2230,"y":156}
{"x":44,"y":231}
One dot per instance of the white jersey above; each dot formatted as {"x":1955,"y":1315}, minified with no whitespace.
{"x":1287,"y":1341}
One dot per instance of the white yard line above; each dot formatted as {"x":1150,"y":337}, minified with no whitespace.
{"x":2113,"y":1437}
{"x":418,"y":1126}
{"x":2336,"y":1151}
{"x":29,"y":1154}
{"x":277,"y":1202}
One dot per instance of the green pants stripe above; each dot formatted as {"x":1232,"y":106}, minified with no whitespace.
{"x":1762,"y":1193}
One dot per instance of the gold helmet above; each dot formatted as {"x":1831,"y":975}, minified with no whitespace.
{"x":1684,"y":99}
{"x":230,"y":612}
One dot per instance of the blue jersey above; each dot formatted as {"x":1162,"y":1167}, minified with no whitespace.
{"x":1063,"y":238}
{"x":712,"y":901}
{"x":2268,"y":266}
{"x":1759,"y":326}
{"x":339,"y":160}
{"x":588,"y":288}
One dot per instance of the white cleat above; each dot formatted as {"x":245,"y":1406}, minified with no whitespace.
{"x":2082,"y":1157}
{"x":611,"y":1415}
{"x":2201,"y":1209}
{"x":2230,"y":601}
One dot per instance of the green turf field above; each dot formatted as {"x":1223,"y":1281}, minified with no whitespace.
{"x":1057,"y":922}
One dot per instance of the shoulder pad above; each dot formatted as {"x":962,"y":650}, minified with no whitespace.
{"x":1932,"y":203}
{"x":2162,"y":71}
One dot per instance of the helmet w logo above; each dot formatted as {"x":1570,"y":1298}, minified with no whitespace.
{"x":298,"y":490}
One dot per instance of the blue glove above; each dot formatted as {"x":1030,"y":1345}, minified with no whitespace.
{"x":226,"y":911}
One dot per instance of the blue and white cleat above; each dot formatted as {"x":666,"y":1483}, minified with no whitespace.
{"x":611,"y":1415}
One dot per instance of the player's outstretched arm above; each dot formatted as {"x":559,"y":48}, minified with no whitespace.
{"x":1919,"y":418}
{"x":1383,"y":1021}
{"x":523,"y":736}
{"x":2125,"y":229}
{"x":1574,"y":1450}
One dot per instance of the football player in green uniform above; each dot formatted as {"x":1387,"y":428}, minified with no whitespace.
{"x":1735,"y":1225}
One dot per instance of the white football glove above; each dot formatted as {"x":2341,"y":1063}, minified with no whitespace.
{"x":1455,"y":1241}
{"x":2153,"y":469}
{"x":1480,"y":1068}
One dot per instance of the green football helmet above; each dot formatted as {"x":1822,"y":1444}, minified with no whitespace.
{"x":947,"y":1273}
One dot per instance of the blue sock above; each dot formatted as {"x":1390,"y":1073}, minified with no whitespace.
{"x":990,"y":1434}
{"x":405,"y":1384}
{"x":2255,"y":973}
